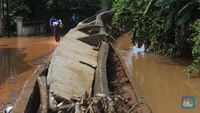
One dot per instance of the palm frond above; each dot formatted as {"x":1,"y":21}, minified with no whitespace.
{"x":185,"y":18}
{"x":160,"y":3}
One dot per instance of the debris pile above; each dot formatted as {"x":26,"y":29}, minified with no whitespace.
{"x":98,"y":104}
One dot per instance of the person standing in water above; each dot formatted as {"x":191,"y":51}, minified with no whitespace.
{"x":52,"y":24}
{"x":74,"y":20}
{"x":58,"y":29}
{"x":56,"y":25}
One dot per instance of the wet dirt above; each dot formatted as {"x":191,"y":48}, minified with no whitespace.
{"x":18,"y":58}
{"x":119,"y":84}
{"x":161,"y":80}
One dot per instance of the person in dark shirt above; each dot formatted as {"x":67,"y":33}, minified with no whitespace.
{"x":74,"y":20}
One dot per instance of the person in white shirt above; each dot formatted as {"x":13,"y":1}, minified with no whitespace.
{"x":58,"y":28}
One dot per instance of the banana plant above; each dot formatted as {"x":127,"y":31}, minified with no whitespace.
{"x":178,"y":12}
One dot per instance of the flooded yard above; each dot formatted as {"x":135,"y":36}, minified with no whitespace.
{"x":18,"y":58}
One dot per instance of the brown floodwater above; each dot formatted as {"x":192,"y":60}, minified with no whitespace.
{"x":160,"y":79}
{"x":18,"y":58}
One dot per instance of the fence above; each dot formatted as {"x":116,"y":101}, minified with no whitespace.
{"x":26,"y":28}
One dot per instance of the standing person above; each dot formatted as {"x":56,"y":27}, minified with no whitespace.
{"x":74,"y":20}
{"x":58,"y":28}
{"x":52,"y":24}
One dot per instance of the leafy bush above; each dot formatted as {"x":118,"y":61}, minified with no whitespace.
{"x":108,"y":3}
{"x":162,"y":23}
{"x":147,"y":28}
{"x":126,"y":13}
{"x":195,"y":66}
{"x":44,"y":9}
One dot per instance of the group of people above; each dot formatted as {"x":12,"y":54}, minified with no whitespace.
{"x":56,"y":25}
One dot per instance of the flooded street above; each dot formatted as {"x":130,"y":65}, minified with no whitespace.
{"x":18,"y":58}
{"x":160,"y":79}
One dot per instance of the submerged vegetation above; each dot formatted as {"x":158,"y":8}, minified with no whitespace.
{"x":164,"y":24}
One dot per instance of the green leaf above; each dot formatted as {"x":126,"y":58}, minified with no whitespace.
{"x":188,"y":6}
{"x":169,"y":19}
{"x":160,"y":3}
{"x":185,"y":18}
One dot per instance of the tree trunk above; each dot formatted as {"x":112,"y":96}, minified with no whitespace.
{"x":1,"y":15}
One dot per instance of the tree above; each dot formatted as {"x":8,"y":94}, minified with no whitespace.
{"x":177,"y":14}
{"x":44,"y":9}
{"x":147,"y":27}
{"x":161,"y":22}
{"x":195,"y":38}
{"x":108,"y":3}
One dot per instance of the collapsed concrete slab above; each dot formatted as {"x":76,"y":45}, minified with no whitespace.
{"x":72,"y":69}
{"x":67,"y":75}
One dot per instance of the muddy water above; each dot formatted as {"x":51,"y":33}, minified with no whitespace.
{"x":18,"y":58}
{"x":160,"y":79}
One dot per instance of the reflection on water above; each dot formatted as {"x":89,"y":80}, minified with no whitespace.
{"x":160,"y":79}
{"x":11,"y":58}
{"x":18,"y":57}
{"x":135,"y":49}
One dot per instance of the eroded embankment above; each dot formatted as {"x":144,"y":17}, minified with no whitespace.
{"x":121,"y":86}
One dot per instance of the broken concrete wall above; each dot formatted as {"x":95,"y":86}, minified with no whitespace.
{"x":72,"y":68}
{"x":68,"y":76}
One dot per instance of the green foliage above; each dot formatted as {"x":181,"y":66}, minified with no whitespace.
{"x":18,"y":8}
{"x":108,"y":3}
{"x":127,"y":12}
{"x":196,"y":47}
{"x":162,"y":23}
{"x":83,"y":7}
{"x":158,"y":22}
{"x":178,"y":12}
{"x":147,"y":29}
{"x":44,"y":9}
{"x":11,"y":10}
{"x":41,"y":8}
